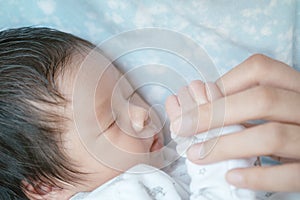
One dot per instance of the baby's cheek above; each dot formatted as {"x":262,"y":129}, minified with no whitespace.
{"x":128,"y":143}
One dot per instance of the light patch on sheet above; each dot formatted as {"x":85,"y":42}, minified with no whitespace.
{"x":47,"y":6}
{"x":157,"y":92}
{"x":156,"y":70}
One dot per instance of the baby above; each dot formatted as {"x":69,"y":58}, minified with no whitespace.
{"x":182,"y":179}
{"x":71,"y":123}
{"x":66,"y":127}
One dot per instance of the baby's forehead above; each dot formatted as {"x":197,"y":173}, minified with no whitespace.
{"x":84,"y":72}
{"x":88,"y":85}
{"x":82,"y":66}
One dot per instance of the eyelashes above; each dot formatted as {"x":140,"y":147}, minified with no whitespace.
{"x":111,"y":125}
{"x":114,"y":121}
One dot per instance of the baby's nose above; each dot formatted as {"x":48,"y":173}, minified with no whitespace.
{"x":138,"y":116}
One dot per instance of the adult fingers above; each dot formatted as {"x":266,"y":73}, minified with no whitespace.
{"x":259,"y":70}
{"x":281,"y":140}
{"x":260,"y":102}
{"x":284,"y":178}
{"x":263,"y":102}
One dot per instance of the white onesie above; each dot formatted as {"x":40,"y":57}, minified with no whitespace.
{"x":208,"y":181}
{"x":141,"y":182}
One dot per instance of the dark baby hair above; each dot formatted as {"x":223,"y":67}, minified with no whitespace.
{"x":30,"y":61}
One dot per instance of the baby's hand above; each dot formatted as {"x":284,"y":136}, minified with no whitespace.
{"x":182,"y":108}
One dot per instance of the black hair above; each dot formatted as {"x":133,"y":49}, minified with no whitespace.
{"x":31,"y":59}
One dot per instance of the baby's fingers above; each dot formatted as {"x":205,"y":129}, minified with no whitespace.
{"x":187,"y":98}
{"x":284,"y":178}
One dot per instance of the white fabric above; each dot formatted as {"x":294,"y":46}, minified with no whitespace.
{"x":208,"y":181}
{"x":141,"y":182}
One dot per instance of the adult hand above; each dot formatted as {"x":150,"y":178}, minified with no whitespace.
{"x":259,"y":88}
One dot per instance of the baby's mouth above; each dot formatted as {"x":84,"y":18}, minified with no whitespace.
{"x":157,"y":143}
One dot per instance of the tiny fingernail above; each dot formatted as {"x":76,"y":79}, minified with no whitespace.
{"x":235,"y":178}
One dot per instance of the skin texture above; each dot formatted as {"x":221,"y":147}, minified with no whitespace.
{"x":258,"y":88}
{"x":108,"y":120}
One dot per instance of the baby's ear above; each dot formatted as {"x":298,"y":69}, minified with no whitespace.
{"x":36,"y":191}
{"x":44,"y":191}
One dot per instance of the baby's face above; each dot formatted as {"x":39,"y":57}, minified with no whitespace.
{"x":112,"y":128}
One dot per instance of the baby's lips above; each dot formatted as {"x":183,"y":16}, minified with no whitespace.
{"x":157,"y":144}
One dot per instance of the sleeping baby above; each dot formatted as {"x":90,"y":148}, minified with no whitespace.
{"x":182,"y":179}
{"x":72,"y":127}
